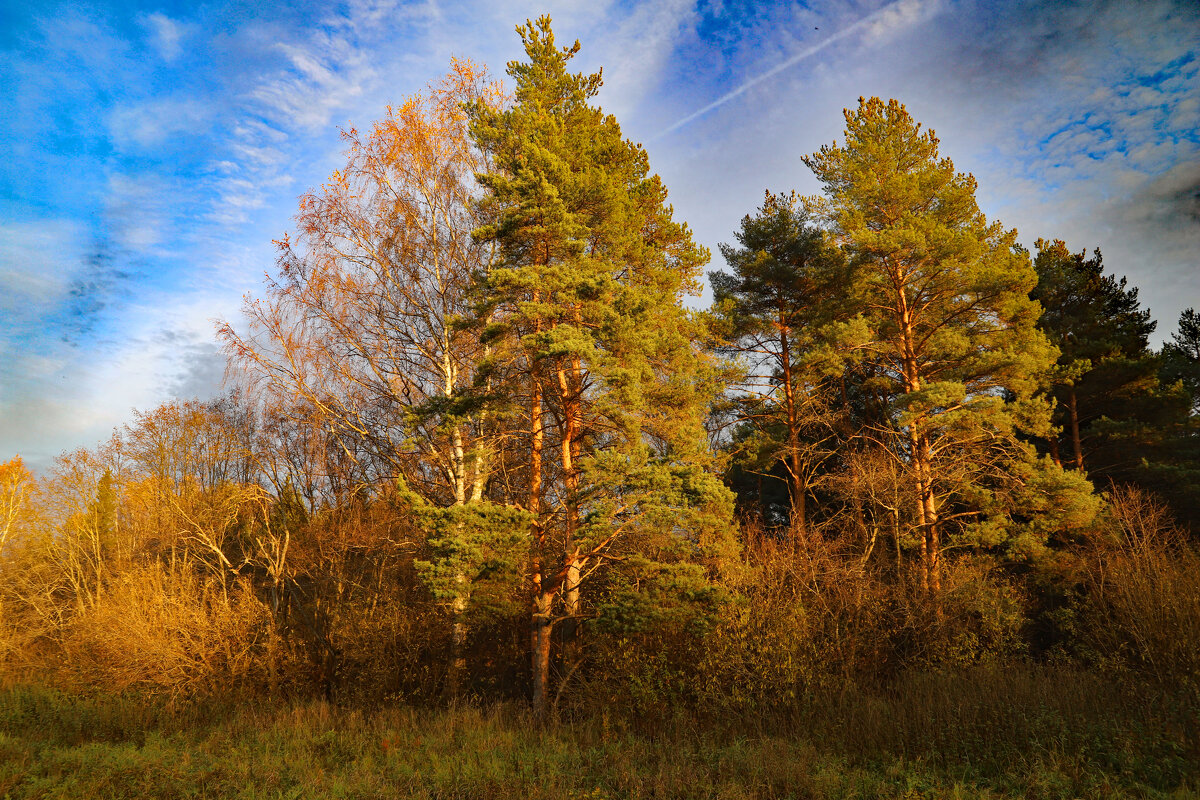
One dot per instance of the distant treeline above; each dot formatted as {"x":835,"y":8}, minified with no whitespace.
{"x":478,"y":447}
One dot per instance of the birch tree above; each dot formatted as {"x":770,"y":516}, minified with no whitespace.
{"x":358,"y":332}
{"x":360,"y":335}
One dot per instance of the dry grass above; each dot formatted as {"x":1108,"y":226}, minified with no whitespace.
{"x":987,"y":735}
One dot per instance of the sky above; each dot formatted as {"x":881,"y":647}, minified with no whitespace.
{"x":154,"y":150}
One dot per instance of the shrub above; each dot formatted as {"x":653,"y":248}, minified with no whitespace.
{"x":169,"y":632}
{"x":1139,"y":608}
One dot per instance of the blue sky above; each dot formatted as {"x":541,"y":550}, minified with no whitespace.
{"x":155,"y":149}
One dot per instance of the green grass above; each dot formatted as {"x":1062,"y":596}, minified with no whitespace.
{"x":989,"y":735}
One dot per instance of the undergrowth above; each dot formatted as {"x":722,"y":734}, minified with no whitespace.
{"x":1037,"y":733}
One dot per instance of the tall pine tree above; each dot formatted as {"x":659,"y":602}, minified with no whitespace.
{"x":590,"y":338}
{"x":1181,"y":357}
{"x":1121,"y":410}
{"x":945,"y":296}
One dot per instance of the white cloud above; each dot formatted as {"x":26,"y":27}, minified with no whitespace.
{"x":635,"y":53}
{"x":36,"y":262}
{"x":897,"y":18}
{"x":151,"y":123}
{"x":138,"y":210}
{"x":40,"y":409}
{"x":993,"y":96}
{"x":166,"y":35}
{"x":326,"y":73}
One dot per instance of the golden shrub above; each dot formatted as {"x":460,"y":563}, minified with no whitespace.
{"x":167,"y":632}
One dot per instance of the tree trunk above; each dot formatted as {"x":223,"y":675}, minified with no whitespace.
{"x":932,"y":531}
{"x":460,"y":467}
{"x":539,"y":635}
{"x":895,"y":513}
{"x":542,"y":601}
{"x":922,"y":522}
{"x":272,"y":660}
{"x":762,"y":503}
{"x":1073,"y":410}
{"x":569,"y":383}
{"x":571,"y":608}
{"x":458,"y":640}
{"x":927,"y":514}
{"x":799,"y":511}
{"x":921,"y":460}
{"x":796,"y":482}
{"x":458,"y":607}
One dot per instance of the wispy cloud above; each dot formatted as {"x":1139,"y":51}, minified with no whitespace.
{"x":138,"y":209}
{"x":145,"y":125}
{"x":886,"y":20}
{"x":897,"y":18}
{"x":635,"y":53}
{"x":166,"y":35}
{"x":35,"y":265}
{"x":1084,"y":124}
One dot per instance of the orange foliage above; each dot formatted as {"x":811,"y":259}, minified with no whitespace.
{"x":17,"y":488}
{"x":358,"y":330}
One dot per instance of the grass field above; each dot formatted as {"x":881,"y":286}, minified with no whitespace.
{"x":1024,"y":733}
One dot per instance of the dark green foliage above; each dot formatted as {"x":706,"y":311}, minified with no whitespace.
{"x":1122,"y":412}
{"x":1181,"y":357}
{"x":776,"y":313}
{"x":1090,"y":315}
{"x":1104,"y":367}
{"x":784,"y":274}
{"x":477,"y":553}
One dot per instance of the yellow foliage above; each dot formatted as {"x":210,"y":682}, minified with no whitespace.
{"x":167,"y":632}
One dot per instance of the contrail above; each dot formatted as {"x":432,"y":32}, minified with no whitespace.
{"x":778,"y":68}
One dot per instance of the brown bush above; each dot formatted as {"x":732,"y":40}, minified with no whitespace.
{"x":977,"y":618}
{"x":167,"y":632}
{"x":815,"y":618}
{"x":1140,"y":605}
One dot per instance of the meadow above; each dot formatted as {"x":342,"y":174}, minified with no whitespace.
{"x":1024,"y":732}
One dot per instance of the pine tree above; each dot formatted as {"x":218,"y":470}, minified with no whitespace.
{"x":1102,"y":336}
{"x":945,"y":296}
{"x":590,"y":337}
{"x":1181,"y":354}
{"x":1178,"y":470}
{"x":1122,"y":410}
{"x":774,"y":308}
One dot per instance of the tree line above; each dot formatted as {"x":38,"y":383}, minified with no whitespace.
{"x":479,"y":445}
